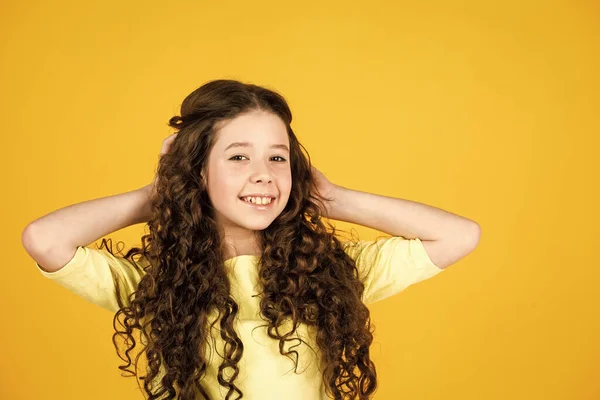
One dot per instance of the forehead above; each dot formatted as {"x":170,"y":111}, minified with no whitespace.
{"x":259,"y":128}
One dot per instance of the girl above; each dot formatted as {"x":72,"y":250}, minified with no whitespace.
{"x":237,"y":238}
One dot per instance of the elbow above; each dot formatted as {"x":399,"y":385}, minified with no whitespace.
{"x":34,"y":240}
{"x":471,"y":236}
{"x":476,"y":236}
{"x":27,"y":237}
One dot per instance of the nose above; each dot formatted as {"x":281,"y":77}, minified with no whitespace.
{"x":261,"y":174}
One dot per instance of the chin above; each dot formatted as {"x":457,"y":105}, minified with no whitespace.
{"x":256,"y":226}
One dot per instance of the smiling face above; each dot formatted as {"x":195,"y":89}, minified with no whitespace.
{"x":261,"y":165}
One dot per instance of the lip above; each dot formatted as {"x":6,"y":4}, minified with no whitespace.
{"x":261,"y":207}
{"x":260,"y":195}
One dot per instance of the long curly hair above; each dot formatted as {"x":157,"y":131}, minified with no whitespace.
{"x":306,"y":275}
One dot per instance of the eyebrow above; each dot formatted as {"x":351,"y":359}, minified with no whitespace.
{"x":248,"y":144}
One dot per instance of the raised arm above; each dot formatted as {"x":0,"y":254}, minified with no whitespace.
{"x":52,"y":240}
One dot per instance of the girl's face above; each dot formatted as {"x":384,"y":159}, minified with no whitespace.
{"x":250,"y":156}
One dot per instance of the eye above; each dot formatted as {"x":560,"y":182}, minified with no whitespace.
{"x":282,"y":159}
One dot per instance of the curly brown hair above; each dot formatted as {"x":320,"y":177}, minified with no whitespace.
{"x":306,"y":276}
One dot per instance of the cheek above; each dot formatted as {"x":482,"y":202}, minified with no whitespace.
{"x":223,"y":184}
{"x":285,"y":184}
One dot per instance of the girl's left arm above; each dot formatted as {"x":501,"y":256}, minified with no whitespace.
{"x":447,"y":237}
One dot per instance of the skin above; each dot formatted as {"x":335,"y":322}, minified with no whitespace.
{"x":240,"y":171}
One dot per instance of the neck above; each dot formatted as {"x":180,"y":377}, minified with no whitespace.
{"x":239,"y":242}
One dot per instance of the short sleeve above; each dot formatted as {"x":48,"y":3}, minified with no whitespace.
{"x":88,"y":275}
{"x":389,"y":265}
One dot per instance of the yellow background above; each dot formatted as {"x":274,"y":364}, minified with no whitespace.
{"x":487,"y":110}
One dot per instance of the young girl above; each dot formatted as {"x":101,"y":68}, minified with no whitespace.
{"x":240,"y":288}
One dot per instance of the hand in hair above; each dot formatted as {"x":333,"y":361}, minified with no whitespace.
{"x":326,"y":190}
{"x":166,"y":146}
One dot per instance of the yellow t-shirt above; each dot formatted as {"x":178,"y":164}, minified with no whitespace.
{"x":387,"y":266}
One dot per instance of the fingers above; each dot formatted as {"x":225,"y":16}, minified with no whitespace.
{"x":166,"y":144}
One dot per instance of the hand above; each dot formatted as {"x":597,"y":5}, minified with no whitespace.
{"x":326,"y":189}
{"x":166,"y":146}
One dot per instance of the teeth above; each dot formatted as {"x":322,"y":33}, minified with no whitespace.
{"x":258,"y":200}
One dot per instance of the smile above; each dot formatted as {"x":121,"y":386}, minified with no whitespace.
{"x":258,"y":206}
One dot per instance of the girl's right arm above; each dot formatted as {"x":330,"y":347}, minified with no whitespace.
{"x":52,"y":240}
